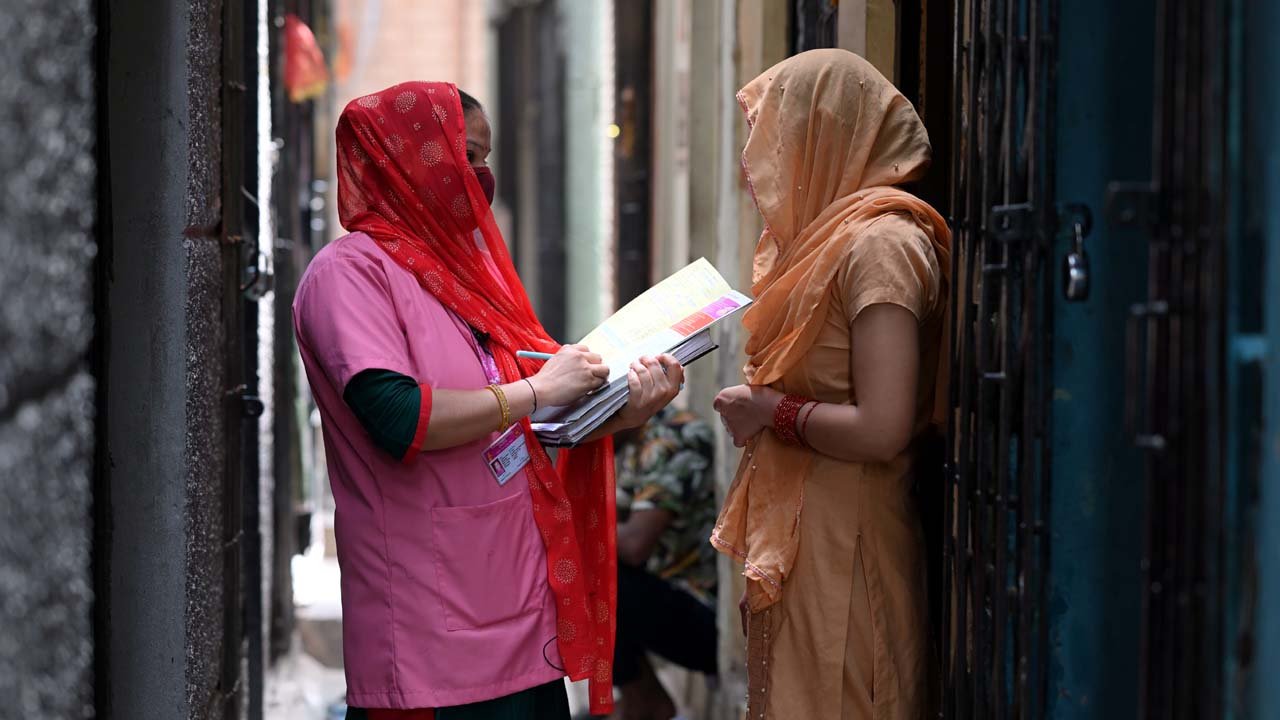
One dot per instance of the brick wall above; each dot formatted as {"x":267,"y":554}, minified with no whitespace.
{"x":397,"y":40}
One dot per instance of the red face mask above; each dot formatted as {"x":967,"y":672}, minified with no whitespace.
{"x":487,"y":183}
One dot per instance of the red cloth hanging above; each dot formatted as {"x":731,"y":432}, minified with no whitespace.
{"x":305,"y":74}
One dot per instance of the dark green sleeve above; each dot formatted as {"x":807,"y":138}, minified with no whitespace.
{"x":387,"y":404}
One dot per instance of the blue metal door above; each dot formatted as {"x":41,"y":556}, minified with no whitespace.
{"x":1131,"y":359}
{"x":1103,"y":135}
{"x":1257,"y":283}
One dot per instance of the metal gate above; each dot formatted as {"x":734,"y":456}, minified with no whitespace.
{"x":995,"y":633}
{"x":1175,"y":370}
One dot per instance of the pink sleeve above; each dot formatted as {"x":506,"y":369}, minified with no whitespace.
{"x":347,"y":319}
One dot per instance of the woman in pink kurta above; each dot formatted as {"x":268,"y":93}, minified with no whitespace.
{"x":471,"y":584}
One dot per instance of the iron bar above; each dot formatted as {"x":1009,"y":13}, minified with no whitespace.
{"x":1002,"y":218}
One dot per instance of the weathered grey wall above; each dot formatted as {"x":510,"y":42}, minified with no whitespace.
{"x":146,"y":380}
{"x":47,"y":201}
{"x":164,"y":364}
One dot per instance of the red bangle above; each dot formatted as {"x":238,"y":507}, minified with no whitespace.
{"x":784,"y":418}
{"x":804,"y":424}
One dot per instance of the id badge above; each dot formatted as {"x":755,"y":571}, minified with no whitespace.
{"x":507,"y":455}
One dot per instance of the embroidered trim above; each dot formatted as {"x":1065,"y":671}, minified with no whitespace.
{"x":746,"y":170}
{"x":717,"y":540}
{"x":758,"y":647}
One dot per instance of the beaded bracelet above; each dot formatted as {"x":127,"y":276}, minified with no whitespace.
{"x":784,"y":418}
{"x":502,"y":405}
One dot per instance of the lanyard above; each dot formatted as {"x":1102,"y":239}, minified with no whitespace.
{"x":486,"y":358}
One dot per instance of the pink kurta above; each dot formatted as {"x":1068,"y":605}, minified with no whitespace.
{"x":445,"y":596}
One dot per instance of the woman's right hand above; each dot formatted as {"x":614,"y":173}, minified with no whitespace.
{"x":568,"y":375}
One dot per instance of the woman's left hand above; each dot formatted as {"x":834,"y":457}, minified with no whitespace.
{"x":652,"y":383}
{"x":746,"y":410}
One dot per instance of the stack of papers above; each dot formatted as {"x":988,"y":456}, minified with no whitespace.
{"x":675,"y":316}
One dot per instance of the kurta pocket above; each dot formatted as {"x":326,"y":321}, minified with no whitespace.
{"x":484,"y":578}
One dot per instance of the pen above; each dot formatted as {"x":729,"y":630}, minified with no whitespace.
{"x":547,"y":356}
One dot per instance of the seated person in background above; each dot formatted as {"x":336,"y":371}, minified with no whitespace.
{"x":666,"y":567}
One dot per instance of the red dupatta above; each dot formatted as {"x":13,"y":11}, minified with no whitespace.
{"x":404,"y":180}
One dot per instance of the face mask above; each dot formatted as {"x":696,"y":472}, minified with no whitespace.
{"x":487,"y":183}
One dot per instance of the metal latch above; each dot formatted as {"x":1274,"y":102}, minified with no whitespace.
{"x":1009,"y":223}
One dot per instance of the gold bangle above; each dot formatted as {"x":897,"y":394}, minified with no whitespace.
{"x":501,"y":397}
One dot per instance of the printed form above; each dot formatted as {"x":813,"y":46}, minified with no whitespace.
{"x":664,"y":316}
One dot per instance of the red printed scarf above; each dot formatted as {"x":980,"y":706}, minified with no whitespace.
{"x":404,"y":180}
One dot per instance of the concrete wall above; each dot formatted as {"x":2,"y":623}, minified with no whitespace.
{"x":206,"y":387}
{"x":47,"y":248}
{"x":673,"y":42}
{"x":588,"y":164}
{"x":870,"y":29}
{"x":164,"y":357}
